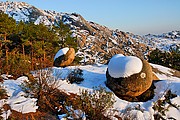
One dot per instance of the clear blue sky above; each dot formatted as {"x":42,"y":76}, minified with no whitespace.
{"x":136,"y":16}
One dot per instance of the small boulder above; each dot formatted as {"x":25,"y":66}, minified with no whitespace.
{"x":64,"y":57}
{"x":128,"y":76}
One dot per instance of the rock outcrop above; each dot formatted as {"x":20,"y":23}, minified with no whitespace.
{"x":65,"y":58}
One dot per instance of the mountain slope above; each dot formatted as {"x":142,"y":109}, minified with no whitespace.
{"x":164,"y":42}
{"x":97,"y":43}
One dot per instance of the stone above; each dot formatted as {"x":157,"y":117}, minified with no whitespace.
{"x":133,"y":85}
{"x":65,"y":59}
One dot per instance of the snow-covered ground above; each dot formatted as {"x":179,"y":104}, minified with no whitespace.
{"x":164,"y":42}
{"x":16,"y":97}
{"x":95,"y":75}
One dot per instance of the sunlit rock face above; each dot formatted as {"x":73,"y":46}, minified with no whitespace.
{"x":128,"y":76}
{"x":64,"y":57}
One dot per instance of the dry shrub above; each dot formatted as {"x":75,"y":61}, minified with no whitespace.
{"x":31,"y":116}
{"x":95,"y":104}
{"x":44,"y":87}
{"x":1,"y":79}
{"x":3,"y":93}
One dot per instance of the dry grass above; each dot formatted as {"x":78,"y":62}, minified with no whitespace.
{"x":31,"y":116}
{"x":175,"y":73}
{"x":155,"y":70}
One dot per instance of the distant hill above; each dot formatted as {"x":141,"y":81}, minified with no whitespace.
{"x":96,"y":43}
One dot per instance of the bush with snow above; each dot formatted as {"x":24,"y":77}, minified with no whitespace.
{"x":95,"y":103}
{"x":164,"y":104}
{"x":44,"y":87}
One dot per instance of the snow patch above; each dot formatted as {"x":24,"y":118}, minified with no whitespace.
{"x":18,"y":100}
{"x":42,"y":19}
{"x":124,"y":66}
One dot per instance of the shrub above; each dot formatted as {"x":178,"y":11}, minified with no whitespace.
{"x":15,"y":115}
{"x":3,"y":93}
{"x":77,"y":60}
{"x":75,"y":76}
{"x":16,"y":65}
{"x":95,"y":104}
{"x":162,"y":105}
{"x":44,"y":87}
{"x":169,"y":59}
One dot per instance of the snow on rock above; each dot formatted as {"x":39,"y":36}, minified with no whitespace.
{"x":64,"y":57}
{"x":124,"y":66}
{"x":43,"y":20}
{"x":61,"y":52}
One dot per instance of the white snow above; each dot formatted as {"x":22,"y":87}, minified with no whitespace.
{"x":124,"y":66}
{"x":61,"y":52}
{"x":174,"y":112}
{"x":17,"y":98}
{"x":167,"y":72}
{"x":95,"y":75}
{"x":164,"y":42}
{"x":42,"y":19}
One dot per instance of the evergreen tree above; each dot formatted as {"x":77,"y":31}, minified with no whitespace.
{"x":7,"y":27}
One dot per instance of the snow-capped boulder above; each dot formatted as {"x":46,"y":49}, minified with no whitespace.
{"x":128,"y":75}
{"x":64,"y":57}
{"x":122,"y":66}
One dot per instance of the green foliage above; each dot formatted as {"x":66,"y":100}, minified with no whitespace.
{"x":64,"y":35}
{"x":35,"y":45}
{"x":17,"y":64}
{"x":169,"y":59}
{"x":75,"y":76}
{"x":77,"y":60}
{"x":95,"y":104}
{"x":7,"y":25}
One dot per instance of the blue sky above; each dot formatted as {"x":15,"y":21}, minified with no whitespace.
{"x":136,"y":16}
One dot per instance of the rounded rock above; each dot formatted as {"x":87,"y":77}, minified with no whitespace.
{"x":133,"y":85}
{"x":64,"y":57}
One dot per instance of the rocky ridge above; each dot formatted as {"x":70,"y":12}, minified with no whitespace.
{"x":96,"y":43}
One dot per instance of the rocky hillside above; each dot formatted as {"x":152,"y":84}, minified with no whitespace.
{"x":164,"y":42}
{"x":97,"y":43}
